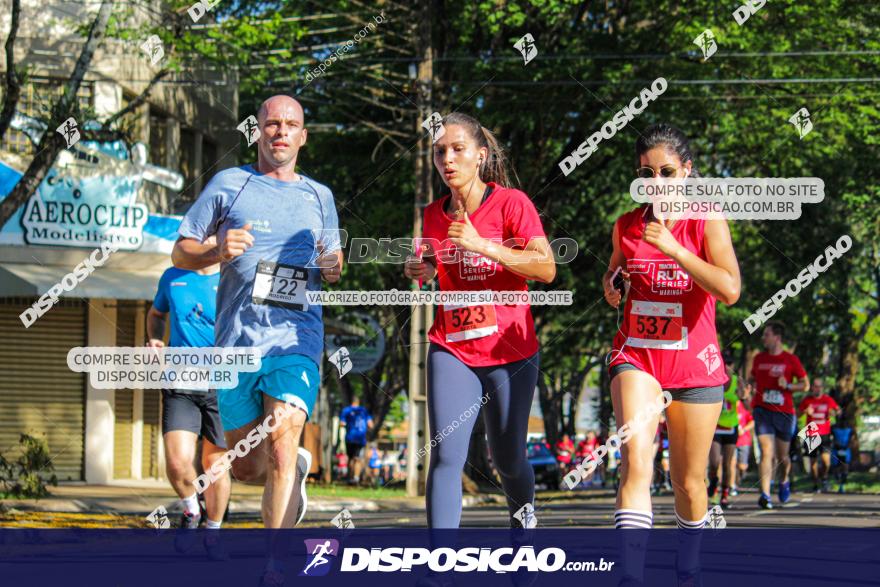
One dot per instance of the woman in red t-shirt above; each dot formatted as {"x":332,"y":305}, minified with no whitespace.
{"x":564,"y":450}
{"x":483,"y":235}
{"x":674,"y":271}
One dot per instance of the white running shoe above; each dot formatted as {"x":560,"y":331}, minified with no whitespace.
{"x":303,"y":466}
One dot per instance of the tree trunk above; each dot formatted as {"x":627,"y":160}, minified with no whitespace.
{"x":13,"y":83}
{"x":847,"y":369}
{"x":606,"y":408}
{"x":571,"y":418}
{"x":478,"y":468}
{"x":550,"y":412}
{"x":51,"y":142}
{"x":347,"y":391}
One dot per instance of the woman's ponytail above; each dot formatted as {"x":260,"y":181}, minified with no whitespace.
{"x":495,"y":167}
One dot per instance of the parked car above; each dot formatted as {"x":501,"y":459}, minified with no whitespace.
{"x":544,"y":463}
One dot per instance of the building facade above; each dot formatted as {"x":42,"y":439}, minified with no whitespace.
{"x":95,"y":193}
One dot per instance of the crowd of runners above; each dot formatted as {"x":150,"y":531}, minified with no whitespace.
{"x":274,"y":234}
{"x":822,"y":447}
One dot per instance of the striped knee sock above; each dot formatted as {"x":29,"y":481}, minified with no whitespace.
{"x":633,"y":519}
{"x":692,"y":526}
{"x":634,"y":543}
{"x":689,"y":539}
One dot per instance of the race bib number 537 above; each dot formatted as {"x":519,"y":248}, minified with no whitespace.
{"x":656,"y":325}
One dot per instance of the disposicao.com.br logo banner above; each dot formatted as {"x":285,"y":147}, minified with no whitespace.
{"x":480,"y":557}
{"x":395,"y":559}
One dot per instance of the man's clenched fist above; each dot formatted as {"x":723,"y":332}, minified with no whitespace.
{"x":236,"y":242}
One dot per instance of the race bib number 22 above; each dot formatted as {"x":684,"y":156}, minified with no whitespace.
{"x":280,"y":285}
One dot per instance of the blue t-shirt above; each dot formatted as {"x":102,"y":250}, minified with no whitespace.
{"x":356,"y":418}
{"x":287,"y":218}
{"x":841,"y":436}
{"x":191,"y":299}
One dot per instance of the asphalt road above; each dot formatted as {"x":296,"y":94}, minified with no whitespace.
{"x":595,"y":509}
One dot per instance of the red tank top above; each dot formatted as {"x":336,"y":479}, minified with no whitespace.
{"x":668,"y":327}
{"x":486,"y":334}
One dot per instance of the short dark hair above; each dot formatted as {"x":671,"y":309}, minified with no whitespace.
{"x":777,"y":327}
{"x":727,"y":356}
{"x":671,"y":139}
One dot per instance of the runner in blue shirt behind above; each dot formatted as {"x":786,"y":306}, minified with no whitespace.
{"x":189,"y":299}
{"x":356,"y":420}
{"x":277,"y":234}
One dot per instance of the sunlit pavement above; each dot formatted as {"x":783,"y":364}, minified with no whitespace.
{"x":595,"y":509}
{"x":591,"y":509}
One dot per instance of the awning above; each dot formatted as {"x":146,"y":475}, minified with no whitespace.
{"x":33,"y":280}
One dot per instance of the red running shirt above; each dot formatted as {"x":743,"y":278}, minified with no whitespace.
{"x":822,"y":407}
{"x":488,"y":334}
{"x":766,"y":370}
{"x":586,"y":446}
{"x":744,"y":439}
{"x":668,"y":327}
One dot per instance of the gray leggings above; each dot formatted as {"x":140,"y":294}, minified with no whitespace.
{"x":456,"y":393}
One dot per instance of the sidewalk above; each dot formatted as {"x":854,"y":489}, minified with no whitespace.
{"x":142,"y":497}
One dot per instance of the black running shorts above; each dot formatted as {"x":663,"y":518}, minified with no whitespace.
{"x":193,"y":411}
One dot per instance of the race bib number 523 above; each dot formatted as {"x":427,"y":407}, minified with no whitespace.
{"x":467,"y":322}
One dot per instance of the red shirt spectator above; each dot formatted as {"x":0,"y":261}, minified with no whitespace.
{"x":564,"y":450}
{"x":767,"y":370}
{"x":745,"y":418}
{"x":819,"y":409}
{"x":587,"y":445}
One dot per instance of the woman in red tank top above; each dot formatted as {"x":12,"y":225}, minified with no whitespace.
{"x":674,"y":271}
{"x":483,"y":358}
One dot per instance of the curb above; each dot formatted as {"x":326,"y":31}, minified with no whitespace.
{"x":236,"y":506}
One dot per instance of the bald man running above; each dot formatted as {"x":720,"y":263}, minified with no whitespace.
{"x":271,"y":223}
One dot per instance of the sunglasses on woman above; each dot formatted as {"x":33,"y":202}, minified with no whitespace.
{"x":649,"y":172}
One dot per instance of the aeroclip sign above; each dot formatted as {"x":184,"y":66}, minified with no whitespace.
{"x":89,"y":198}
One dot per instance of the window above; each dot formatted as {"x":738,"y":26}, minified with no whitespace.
{"x":210,"y":165}
{"x":189,"y":167}
{"x":36,"y":100}
{"x":133,"y":122}
{"x":158,"y":138}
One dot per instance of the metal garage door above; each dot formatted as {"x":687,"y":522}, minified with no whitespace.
{"x":123,"y":400}
{"x":39,"y":394}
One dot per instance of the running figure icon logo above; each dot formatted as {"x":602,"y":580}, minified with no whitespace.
{"x":69,"y":131}
{"x":342,"y":520}
{"x":159,"y":518}
{"x":526,"y":516}
{"x":706,"y":43}
{"x":341,"y":359}
{"x":154,"y":49}
{"x":801,"y":121}
{"x":249,"y":129}
{"x":434,"y":125}
{"x":715,"y":518}
{"x":526,"y":46}
{"x":809,"y":435}
{"x":318,"y":561}
{"x":711,"y":358}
